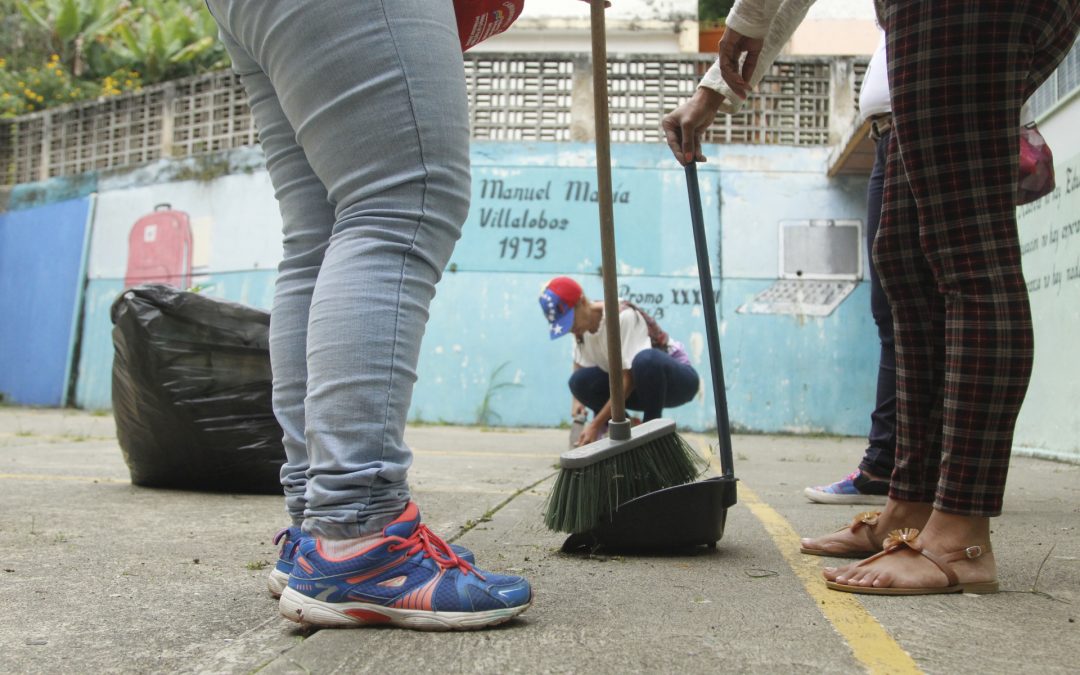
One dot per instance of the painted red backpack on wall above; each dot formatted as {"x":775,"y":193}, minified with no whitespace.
{"x":159,"y":249}
{"x":477,"y":20}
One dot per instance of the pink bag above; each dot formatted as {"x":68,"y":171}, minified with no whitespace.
{"x":478,"y":20}
{"x":1036,"y":166}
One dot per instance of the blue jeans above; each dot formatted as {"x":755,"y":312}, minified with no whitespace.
{"x":362,"y":114}
{"x":881,"y":448}
{"x":659,"y":382}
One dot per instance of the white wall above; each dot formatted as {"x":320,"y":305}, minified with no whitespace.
{"x":620,"y":9}
{"x":841,"y":9}
{"x":1059,"y":128}
{"x":634,"y":26}
{"x":842,"y":27}
{"x":1050,"y":242}
{"x":670,"y":26}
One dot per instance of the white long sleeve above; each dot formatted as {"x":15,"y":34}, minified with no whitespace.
{"x":787,"y":15}
{"x":752,"y":17}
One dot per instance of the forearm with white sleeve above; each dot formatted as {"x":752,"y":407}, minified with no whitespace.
{"x":776,"y":21}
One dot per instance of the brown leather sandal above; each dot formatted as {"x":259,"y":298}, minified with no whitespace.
{"x":909,"y":538}
{"x":866,"y":519}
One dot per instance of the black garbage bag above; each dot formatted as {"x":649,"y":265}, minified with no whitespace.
{"x":191,"y":392}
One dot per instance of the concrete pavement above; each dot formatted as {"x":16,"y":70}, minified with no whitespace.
{"x":97,"y":575}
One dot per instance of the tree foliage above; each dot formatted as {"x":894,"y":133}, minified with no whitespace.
{"x":713,"y":12}
{"x":59,"y":51}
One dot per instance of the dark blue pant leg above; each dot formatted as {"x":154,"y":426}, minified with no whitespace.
{"x":660,"y":382}
{"x":881,"y":451}
{"x":591,"y":387}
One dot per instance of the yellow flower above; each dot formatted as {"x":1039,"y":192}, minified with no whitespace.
{"x":127,"y":83}
{"x":54,"y":57}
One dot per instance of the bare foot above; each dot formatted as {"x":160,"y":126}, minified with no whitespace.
{"x":944,"y":535}
{"x":864,"y":536}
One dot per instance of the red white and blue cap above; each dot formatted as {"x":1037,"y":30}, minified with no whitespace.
{"x":557,"y":302}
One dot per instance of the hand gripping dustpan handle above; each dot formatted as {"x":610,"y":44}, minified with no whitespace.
{"x":723,"y":425}
{"x":619,"y":429}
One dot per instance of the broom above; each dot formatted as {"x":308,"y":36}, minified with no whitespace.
{"x":596,"y":478}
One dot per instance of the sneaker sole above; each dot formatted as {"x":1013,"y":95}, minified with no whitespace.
{"x":832,"y":498}
{"x":277,"y":582}
{"x":306,"y":611}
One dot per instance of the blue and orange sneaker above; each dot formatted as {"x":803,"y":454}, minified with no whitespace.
{"x":856,"y":488}
{"x":290,"y":538}
{"x":409,"y":578}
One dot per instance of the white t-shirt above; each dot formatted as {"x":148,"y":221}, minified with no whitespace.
{"x":592,"y":350}
{"x":874,"y":95}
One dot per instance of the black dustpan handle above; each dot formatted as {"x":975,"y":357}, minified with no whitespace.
{"x":723,"y":425}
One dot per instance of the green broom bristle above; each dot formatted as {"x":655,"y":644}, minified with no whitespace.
{"x":584,"y":497}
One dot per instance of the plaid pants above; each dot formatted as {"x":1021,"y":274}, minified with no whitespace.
{"x":947,"y":248}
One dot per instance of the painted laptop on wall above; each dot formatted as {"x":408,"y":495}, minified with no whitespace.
{"x":820,"y":264}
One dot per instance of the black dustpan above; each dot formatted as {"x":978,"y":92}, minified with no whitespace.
{"x":687,"y":515}
{"x":679,"y":517}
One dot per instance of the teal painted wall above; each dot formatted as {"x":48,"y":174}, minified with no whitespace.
{"x":532,"y":218}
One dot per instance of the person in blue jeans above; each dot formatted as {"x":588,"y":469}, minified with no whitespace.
{"x":869,"y":483}
{"x":656,"y":370}
{"x":362,"y":115}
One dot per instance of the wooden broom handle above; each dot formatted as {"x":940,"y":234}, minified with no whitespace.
{"x":607,"y":215}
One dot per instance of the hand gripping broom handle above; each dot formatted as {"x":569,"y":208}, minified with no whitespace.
{"x":619,"y":429}
{"x":723,"y":425}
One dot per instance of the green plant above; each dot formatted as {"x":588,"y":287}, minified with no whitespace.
{"x":62,"y":51}
{"x":170,"y":39}
{"x":38,"y":87}
{"x":485,"y":414}
{"x":23,"y":91}
{"x":713,"y":12}
{"x":79,"y":31}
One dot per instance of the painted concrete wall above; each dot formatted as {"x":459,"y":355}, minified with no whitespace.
{"x":1050,"y":238}
{"x":666,"y":10}
{"x":533,"y":217}
{"x":843,"y":27}
{"x":634,"y":26}
{"x":1059,"y":128}
{"x":670,"y":26}
{"x":41,"y":260}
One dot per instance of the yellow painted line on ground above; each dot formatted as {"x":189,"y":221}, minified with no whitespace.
{"x":869,"y":642}
{"x":52,"y":477}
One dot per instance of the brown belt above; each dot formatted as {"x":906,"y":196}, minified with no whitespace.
{"x":880,"y":125}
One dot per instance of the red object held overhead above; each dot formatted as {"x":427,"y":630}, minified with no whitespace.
{"x":159,"y":249}
{"x":478,"y":20}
